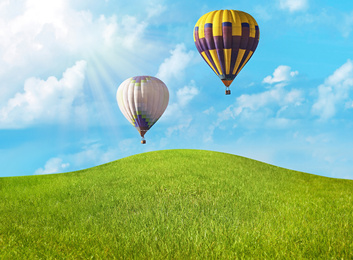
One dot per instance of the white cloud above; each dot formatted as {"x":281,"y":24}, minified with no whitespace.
{"x":346,"y":24}
{"x":280,"y":122}
{"x":40,"y":38}
{"x":91,"y":154}
{"x":334,"y":91}
{"x":186,"y":94}
{"x":45,"y":100}
{"x":282,"y":73}
{"x":181,"y":118}
{"x":155,"y":9}
{"x":276,"y":95}
{"x":265,"y":108}
{"x":133,"y":30}
{"x":26,"y":33}
{"x":177,"y":112}
{"x":209,"y":111}
{"x":174,"y":66}
{"x":45,"y":27}
{"x":37,"y":37}
{"x":182,"y":125}
{"x":53,"y":165}
{"x":293,"y":5}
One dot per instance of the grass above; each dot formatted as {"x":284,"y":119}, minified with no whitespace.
{"x":177,"y":204}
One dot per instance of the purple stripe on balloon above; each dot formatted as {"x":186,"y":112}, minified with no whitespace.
{"x":227,"y":44}
{"x":257,"y":32}
{"x":138,"y":121}
{"x":197,"y":40}
{"x":256,"y":40}
{"x":209,"y":38}
{"x":246,"y":53}
{"x":218,"y":40}
{"x":220,"y":54}
{"x":227,"y":36}
{"x":203,"y":44}
{"x":204,"y":48}
{"x":235,"y":50}
{"x":208,"y":54}
{"x":247,"y":43}
{"x":244,"y":37}
{"x":236,"y":42}
{"x":250,"y":43}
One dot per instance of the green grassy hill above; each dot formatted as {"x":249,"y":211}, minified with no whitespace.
{"x":177,"y":204}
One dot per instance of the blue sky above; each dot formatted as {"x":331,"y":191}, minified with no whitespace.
{"x":62,"y":62}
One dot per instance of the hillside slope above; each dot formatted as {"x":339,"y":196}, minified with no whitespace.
{"x":177,"y":204}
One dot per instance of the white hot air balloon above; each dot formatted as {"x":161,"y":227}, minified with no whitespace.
{"x":142,"y":100}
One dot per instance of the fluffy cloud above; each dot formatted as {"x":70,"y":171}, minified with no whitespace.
{"x":181,"y":126}
{"x":276,"y":95}
{"x":45,"y":100}
{"x":38,"y":38}
{"x":155,"y":8}
{"x":265,"y":108}
{"x":334,"y":91}
{"x":53,"y":165}
{"x":294,"y":5}
{"x":133,"y":31}
{"x":174,"y":66}
{"x":184,"y":119}
{"x":281,"y":74}
{"x":183,"y":97}
{"x":209,"y":111}
{"x":37,"y":24}
{"x":177,"y":112}
{"x":186,"y":94}
{"x":91,"y":154}
{"x":40,"y":28}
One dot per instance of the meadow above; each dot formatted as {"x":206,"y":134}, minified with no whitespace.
{"x":177,"y":204}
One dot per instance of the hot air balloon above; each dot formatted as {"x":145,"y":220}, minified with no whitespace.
{"x":142,"y":100}
{"x":226,"y":40}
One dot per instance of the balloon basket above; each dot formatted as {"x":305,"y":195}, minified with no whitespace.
{"x":227,"y":92}
{"x":143,"y":141}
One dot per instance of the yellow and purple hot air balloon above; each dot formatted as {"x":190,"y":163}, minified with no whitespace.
{"x":226,"y":40}
{"x":142,"y":100}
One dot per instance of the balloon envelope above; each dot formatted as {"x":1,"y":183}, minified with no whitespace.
{"x":142,"y":100}
{"x":226,"y":40}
